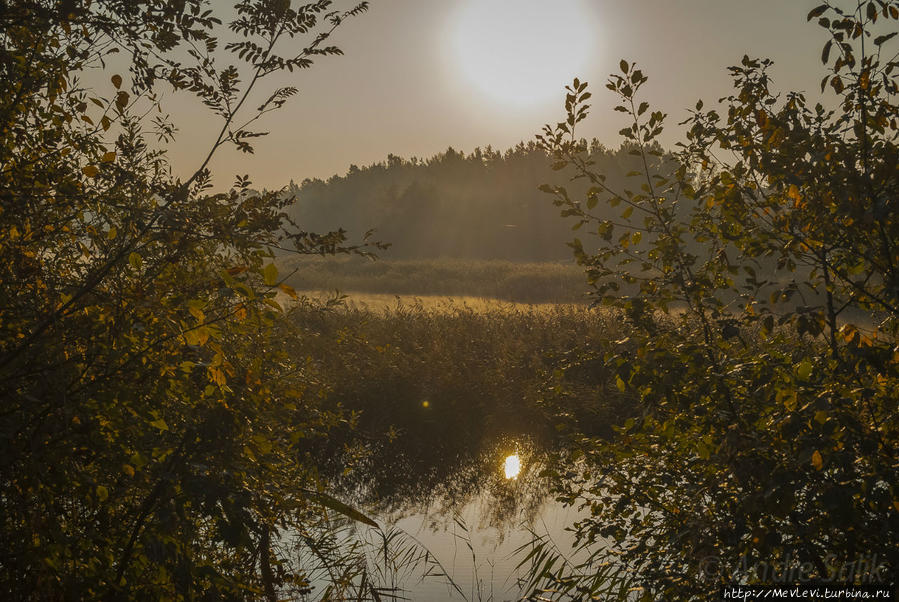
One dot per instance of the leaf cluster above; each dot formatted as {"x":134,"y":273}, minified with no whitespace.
{"x":151,"y":422}
{"x":757,"y":270}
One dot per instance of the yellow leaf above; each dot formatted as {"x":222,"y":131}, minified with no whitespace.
{"x":128,"y":470}
{"x":91,"y":171}
{"x":620,"y":383}
{"x":102,"y":493}
{"x":288,"y":290}
{"x":240,"y":312}
{"x":217,"y":376}
{"x":108,"y":157}
{"x":197,"y":313}
{"x":202,"y":335}
{"x":817,"y":460}
{"x":113,"y":232}
{"x":197,"y":336}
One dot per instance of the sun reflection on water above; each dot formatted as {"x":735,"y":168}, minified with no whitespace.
{"x":512,"y":466}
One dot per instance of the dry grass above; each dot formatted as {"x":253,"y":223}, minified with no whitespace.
{"x":383,"y":302}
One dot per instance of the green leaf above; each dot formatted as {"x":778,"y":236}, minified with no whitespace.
{"x":270,"y":274}
{"x":160,"y":424}
{"x":102,"y":493}
{"x":804,"y":369}
{"x":135,"y":260}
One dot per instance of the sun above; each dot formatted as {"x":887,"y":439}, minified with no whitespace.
{"x":521,"y":52}
{"x":512,"y":466}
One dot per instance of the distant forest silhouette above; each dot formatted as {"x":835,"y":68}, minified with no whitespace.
{"x":481,"y":205}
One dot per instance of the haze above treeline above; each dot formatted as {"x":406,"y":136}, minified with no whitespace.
{"x":402,"y":86}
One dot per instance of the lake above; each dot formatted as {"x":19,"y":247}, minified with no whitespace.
{"x":466,"y":539}
{"x":442,"y":391}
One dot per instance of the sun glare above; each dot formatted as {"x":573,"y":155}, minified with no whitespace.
{"x":512,"y":466}
{"x":522,"y":52}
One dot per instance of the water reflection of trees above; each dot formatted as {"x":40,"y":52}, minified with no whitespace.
{"x":394,"y":485}
{"x":442,"y":395}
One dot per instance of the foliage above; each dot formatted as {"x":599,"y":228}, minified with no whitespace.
{"x":759,"y":275}
{"x":150,"y":416}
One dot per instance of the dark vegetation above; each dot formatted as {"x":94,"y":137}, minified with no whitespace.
{"x":768,"y":427}
{"x":152,"y":423}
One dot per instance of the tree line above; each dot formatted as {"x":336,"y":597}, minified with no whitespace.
{"x":485,"y":204}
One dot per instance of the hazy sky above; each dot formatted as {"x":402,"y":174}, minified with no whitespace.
{"x":421,"y":75}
